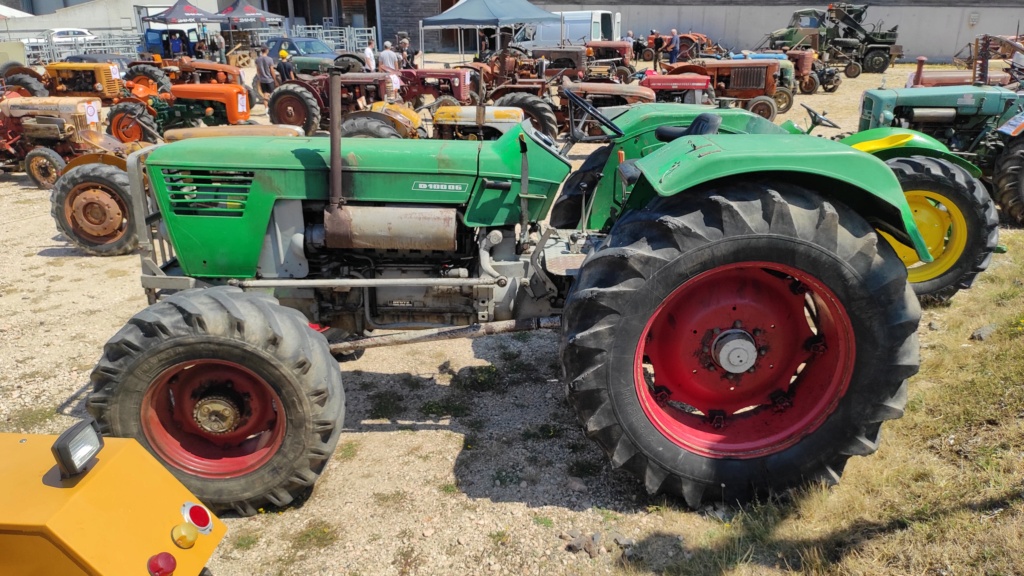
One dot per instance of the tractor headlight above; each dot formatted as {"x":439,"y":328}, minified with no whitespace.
{"x":76,"y":447}
{"x":456,"y":81}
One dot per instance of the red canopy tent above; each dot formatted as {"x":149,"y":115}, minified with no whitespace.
{"x":241,"y":12}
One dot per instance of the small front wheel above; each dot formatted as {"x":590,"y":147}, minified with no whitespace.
{"x":92,"y":207}
{"x":235,"y":394}
{"x":44,"y":166}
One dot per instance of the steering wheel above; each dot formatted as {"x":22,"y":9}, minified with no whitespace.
{"x":819,"y":119}
{"x":593,"y":112}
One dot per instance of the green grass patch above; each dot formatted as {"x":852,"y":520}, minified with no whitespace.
{"x":394,"y":499}
{"x":28,"y":419}
{"x":544,"y":521}
{"x":478,"y":379}
{"x":347,"y":451}
{"x":317,"y":534}
{"x":500,"y":538}
{"x":449,"y":488}
{"x":246,"y":540}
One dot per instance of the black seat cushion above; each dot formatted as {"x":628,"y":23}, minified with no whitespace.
{"x":703,"y":124}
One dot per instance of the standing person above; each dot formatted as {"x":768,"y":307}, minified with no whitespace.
{"x":217,"y":46}
{"x":659,"y":45}
{"x":484,"y":44}
{"x":201,"y":49}
{"x":175,"y":45}
{"x":628,"y":37}
{"x":673,"y":53}
{"x":265,"y":72}
{"x":284,"y":68}
{"x":405,"y":54}
{"x":389,"y":61}
{"x":371,"y":58}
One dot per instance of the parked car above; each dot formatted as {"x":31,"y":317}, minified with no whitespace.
{"x":312,"y":47}
{"x":61,"y":36}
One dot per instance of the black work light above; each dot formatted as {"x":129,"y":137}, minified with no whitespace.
{"x":76,"y":446}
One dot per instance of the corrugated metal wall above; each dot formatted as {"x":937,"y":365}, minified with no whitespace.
{"x":925,"y":29}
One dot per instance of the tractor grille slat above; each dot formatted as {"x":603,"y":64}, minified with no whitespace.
{"x":743,"y":78}
{"x":208,"y":192}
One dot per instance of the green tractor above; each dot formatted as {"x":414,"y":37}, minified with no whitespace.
{"x":731,"y":323}
{"x":951,"y":207}
{"x":982,"y":123}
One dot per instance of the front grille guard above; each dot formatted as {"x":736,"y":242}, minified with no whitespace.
{"x":155,"y":249}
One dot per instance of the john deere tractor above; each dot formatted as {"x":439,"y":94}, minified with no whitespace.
{"x":982,"y":123}
{"x":731,"y":322}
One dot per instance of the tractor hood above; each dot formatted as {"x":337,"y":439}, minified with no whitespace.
{"x":313,"y":154}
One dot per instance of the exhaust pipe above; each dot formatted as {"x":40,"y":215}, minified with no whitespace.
{"x":336,"y":219}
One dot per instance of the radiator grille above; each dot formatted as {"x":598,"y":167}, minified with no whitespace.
{"x":742,"y":78}
{"x":207,"y":192}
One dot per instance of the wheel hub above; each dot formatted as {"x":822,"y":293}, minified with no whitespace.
{"x":41,"y":168}
{"x":735,"y":351}
{"x":217,"y":414}
{"x":97,"y":213}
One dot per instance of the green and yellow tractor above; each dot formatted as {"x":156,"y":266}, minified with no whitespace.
{"x":731,"y":321}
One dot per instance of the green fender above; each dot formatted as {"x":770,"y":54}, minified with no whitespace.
{"x":918,"y":145}
{"x":859,"y":180}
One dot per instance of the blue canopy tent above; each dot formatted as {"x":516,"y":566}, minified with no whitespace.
{"x":487,"y":14}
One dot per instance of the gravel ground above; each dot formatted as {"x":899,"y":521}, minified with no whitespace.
{"x":502,"y":488}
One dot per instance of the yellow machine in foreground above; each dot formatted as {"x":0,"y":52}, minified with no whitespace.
{"x":81,"y":504}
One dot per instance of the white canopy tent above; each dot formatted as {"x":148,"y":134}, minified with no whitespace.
{"x":477,"y":14}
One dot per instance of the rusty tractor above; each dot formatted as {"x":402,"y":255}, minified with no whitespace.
{"x":751,"y":82}
{"x":41,"y":134}
{"x":91,"y":204}
{"x":510,"y":78}
{"x":84,"y":79}
{"x":304,"y":102}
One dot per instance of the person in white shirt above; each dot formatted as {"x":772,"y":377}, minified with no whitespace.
{"x":371,"y":58}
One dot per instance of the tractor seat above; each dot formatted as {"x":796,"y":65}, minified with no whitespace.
{"x":702,"y":125}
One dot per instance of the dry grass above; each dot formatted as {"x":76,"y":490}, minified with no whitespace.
{"x":943,"y":495}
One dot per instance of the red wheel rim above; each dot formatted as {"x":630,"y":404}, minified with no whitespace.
{"x":290,"y":110}
{"x":126,"y":129}
{"x":744,"y":360}
{"x":213,"y":418}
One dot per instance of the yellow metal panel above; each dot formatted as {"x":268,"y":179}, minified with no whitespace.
{"x":109,"y":520}
{"x":34,"y":555}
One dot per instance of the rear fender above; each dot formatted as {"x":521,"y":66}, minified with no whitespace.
{"x":31,"y":71}
{"x":1013,"y":127}
{"x":834,"y":170}
{"x":917,"y":144}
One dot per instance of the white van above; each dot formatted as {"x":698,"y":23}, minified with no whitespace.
{"x":580,"y":27}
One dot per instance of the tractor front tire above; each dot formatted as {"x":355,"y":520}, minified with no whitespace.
{"x":150,"y":76}
{"x":624,"y":74}
{"x":958,"y":220}
{"x":763,"y":106}
{"x":1008,"y":180}
{"x":92,"y":206}
{"x":535,"y":108}
{"x":26,"y":85}
{"x":294,"y":105}
{"x":647,"y":55}
{"x":783,"y":99}
{"x":235,"y":394}
{"x":876,"y":61}
{"x":809,"y":84}
{"x":366,"y":127}
{"x":738,"y":340}
{"x":852,"y":70}
{"x":44,"y":166}
{"x":252,"y":96}
{"x":131,"y":122}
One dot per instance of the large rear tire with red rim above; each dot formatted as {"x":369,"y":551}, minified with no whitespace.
{"x":733,"y":341}
{"x":235,"y":394}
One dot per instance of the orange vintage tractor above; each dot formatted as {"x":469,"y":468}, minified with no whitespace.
{"x":152,"y":108}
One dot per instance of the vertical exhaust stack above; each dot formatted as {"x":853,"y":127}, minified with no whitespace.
{"x":336,"y":221}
